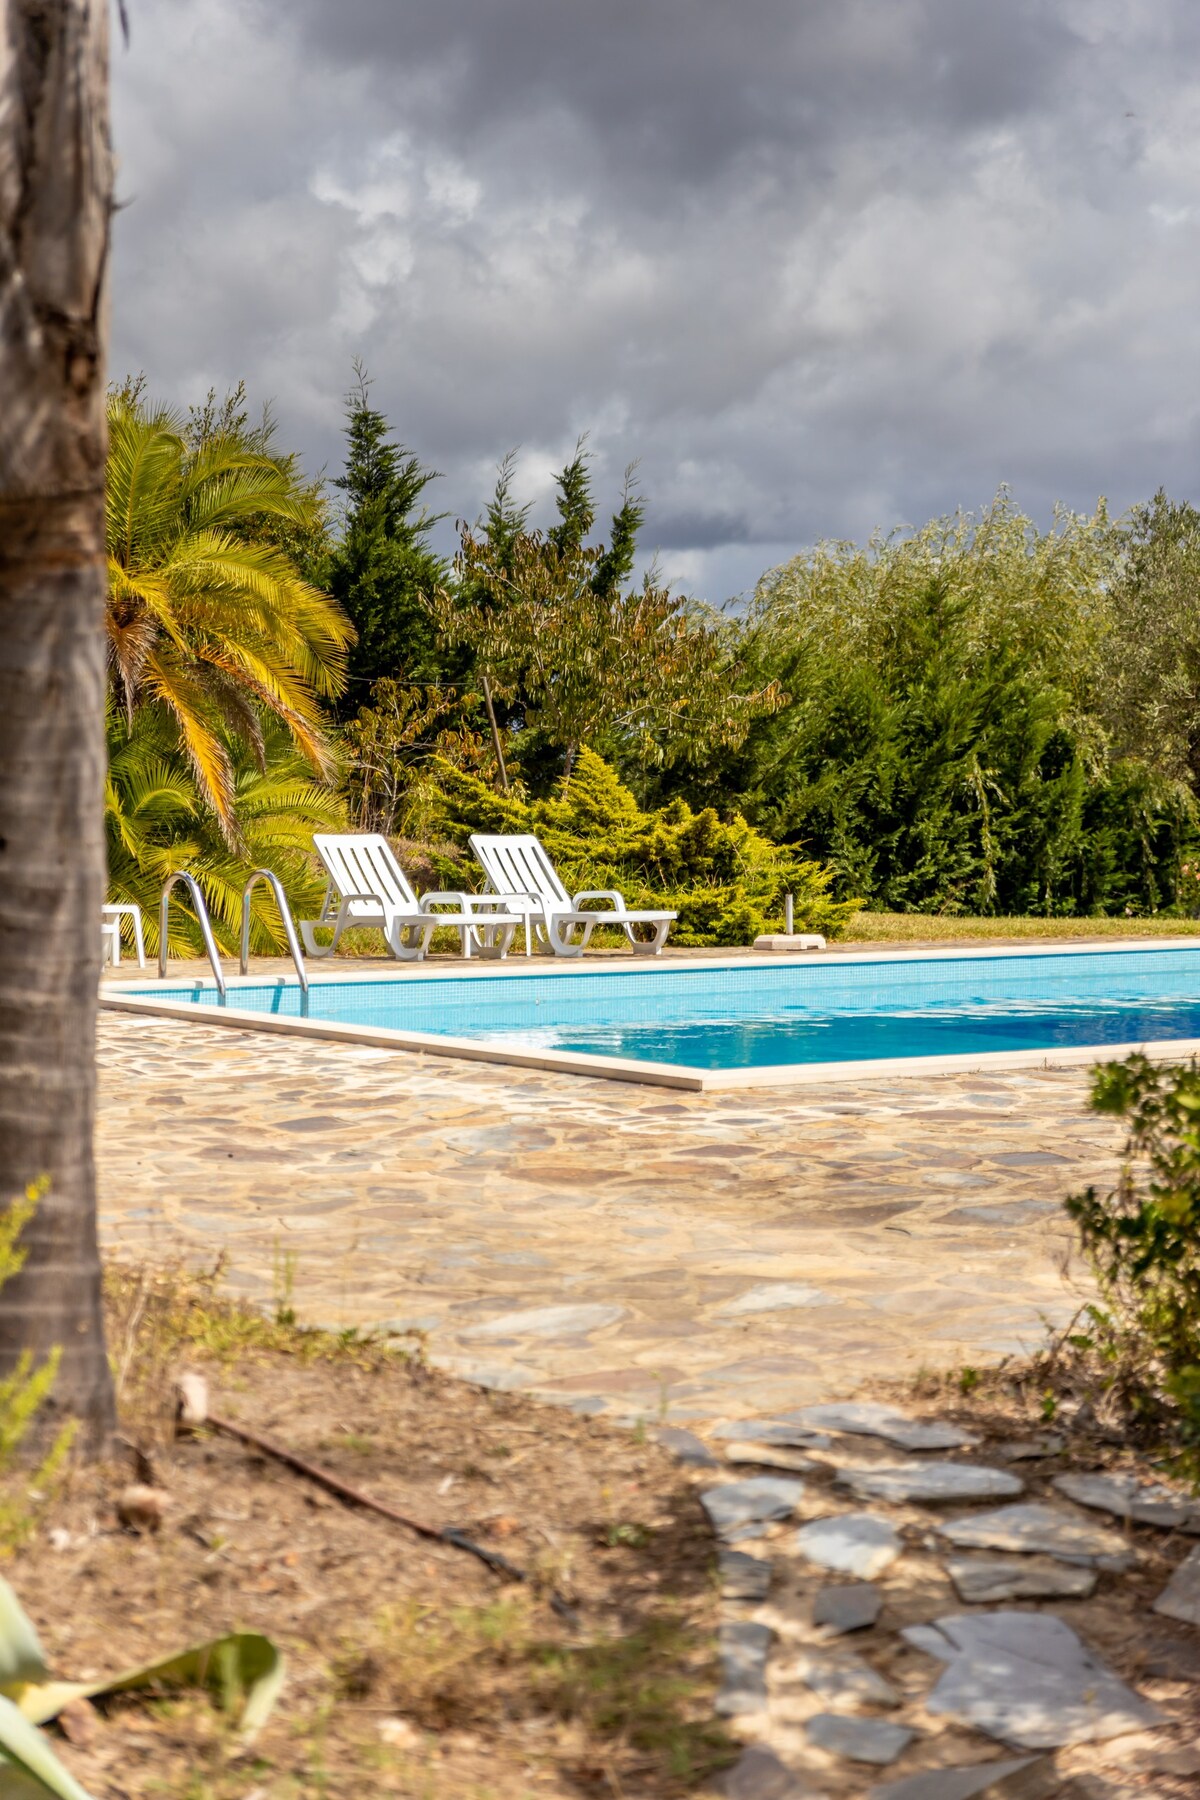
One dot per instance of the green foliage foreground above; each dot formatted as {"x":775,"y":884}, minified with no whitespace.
{"x":1143,"y":1241}
{"x":725,"y":880}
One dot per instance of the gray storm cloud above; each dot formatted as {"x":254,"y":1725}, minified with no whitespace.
{"x":819,"y":264}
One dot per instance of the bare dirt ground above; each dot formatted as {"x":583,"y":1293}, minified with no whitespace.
{"x":412,"y":1669}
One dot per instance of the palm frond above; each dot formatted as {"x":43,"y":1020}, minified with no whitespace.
{"x":213,"y":635}
{"x":186,"y":695}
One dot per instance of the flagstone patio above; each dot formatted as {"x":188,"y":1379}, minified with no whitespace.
{"x":674,"y":1257}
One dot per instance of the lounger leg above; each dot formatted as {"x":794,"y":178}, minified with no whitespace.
{"x":310,"y":927}
{"x":561,"y":937}
{"x":494,"y":937}
{"x":400,"y":943}
{"x":138,"y":939}
{"x":651,"y":946}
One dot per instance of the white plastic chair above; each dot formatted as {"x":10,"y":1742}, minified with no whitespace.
{"x":110,"y":929}
{"x":367,"y":886}
{"x":521,"y":874}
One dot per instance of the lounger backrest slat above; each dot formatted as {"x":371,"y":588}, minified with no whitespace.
{"x":519,"y":865}
{"x":363,"y":863}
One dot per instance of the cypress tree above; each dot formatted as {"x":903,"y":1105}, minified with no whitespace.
{"x":383,"y":568}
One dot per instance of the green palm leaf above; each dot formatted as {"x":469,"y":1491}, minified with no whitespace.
{"x":213,"y":633}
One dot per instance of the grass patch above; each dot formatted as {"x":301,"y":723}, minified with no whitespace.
{"x":642,"y":1692}
{"x":162,"y":1316}
{"x":922,"y":928}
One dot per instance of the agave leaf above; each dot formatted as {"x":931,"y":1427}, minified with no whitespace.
{"x":28,"y":1765}
{"x":22,"y":1658}
{"x":243,"y":1669}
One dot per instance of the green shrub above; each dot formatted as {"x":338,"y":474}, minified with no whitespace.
{"x":1143,"y":1242}
{"x":725,"y":879}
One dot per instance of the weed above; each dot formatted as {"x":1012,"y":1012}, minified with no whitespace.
{"x":627,"y":1534}
{"x":356,"y":1441}
{"x":439,"y":1667}
{"x":284,"y":1283}
{"x":968,"y":1379}
{"x":160,"y":1317}
{"x":1049,"y":1406}
{"x":23,"y":1393}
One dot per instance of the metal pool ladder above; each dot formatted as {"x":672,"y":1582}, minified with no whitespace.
{"x":285,"y":914}
{"x":201,"y":912}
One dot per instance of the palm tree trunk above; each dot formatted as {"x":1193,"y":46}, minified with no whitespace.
{"x":55,"y":210}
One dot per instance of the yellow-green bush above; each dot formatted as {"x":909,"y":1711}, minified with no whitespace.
{"x":724,"y":879}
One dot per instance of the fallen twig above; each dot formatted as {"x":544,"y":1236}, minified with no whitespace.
{"x":444,"y":1534}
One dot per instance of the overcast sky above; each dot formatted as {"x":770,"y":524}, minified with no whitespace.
{"x":820,"y":265}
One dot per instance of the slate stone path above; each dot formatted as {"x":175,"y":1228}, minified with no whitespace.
{"x":830,"y":1682}
{"x":624,"y":1249}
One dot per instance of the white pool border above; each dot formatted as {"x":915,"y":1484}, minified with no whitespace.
{"x":653,"y":1074}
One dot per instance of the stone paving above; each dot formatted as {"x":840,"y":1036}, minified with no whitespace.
{"x":666,"y":1256}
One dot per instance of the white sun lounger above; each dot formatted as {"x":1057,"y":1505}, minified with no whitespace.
{"x":521,"y":874}
{"x":367,"y":886}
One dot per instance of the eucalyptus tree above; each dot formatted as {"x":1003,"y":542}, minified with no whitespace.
{"x":551,"y":622}
{"x":55,"y":221}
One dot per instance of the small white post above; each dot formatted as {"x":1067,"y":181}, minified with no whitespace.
{"x":789,"y":913}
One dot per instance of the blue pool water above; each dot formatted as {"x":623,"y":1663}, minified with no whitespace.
{"x":722,"y":1017}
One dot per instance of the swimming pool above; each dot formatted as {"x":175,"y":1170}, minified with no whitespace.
{"x":739,"y":1021}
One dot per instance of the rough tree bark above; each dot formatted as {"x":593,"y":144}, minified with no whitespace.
{"x":55,"y":215}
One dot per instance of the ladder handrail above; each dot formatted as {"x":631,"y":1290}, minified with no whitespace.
{"x":201,"y":911}
{"x":285,"y":915}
